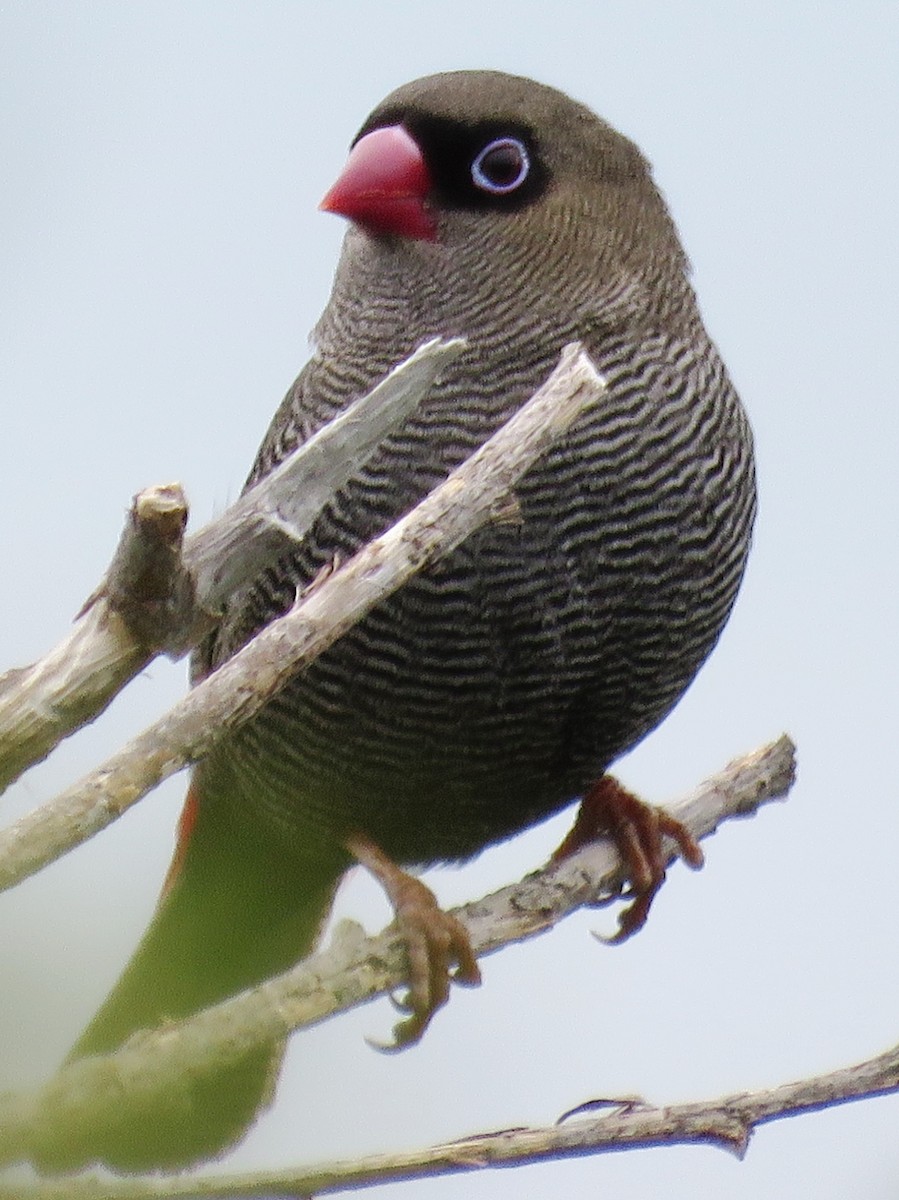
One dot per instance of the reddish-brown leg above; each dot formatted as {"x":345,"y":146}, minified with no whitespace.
{"x":435,"y":941}
{"x":609,"y":810}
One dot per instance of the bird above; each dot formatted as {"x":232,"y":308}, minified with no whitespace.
{"x":500,"y":684}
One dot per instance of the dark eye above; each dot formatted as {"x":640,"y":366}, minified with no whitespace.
{"x":501,"y":166}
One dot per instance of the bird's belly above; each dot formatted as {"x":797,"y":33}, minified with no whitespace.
{"x":494,"y":687}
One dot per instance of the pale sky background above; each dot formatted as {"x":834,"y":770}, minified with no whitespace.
{"x":162,"y":264}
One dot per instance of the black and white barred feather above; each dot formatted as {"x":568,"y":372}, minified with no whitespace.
{"x":501,"y":682}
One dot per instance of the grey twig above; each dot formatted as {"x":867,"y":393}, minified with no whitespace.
{"x":727,"y":1122}
{"x":357,"y":970}
{"x":472,"y":494}
{"x":88,"y":1093}
{"x":162,"y":592}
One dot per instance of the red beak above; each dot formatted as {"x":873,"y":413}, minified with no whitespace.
{"x":384,"y":186}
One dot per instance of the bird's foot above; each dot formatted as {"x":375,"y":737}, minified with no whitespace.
{"x":609,"y":810}
{"x":435,"y":941}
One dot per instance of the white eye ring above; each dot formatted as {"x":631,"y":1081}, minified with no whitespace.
{"x":482,"y":178}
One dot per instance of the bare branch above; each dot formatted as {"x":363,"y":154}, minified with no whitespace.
{"x":279,"y":510}
{"x":147,"y":583}
{"x":73,"y":684}
{"x":354,"y":969}
{"x":149,"y":595}
{"x":727,"y":1122}
{"x":152,"y":601}
{"x":232,"y":695}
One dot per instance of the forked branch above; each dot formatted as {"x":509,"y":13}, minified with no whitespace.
{"x":475,"y":492}
{"x":353,"y":970}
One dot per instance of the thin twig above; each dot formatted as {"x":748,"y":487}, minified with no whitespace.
{"x":278,"y":511}
{"x":225,"y":700}
{"x":87,"y":1093}
{"x":727,"y":1122}
{"x":594,"y":1127}
{"x":155,"y":600}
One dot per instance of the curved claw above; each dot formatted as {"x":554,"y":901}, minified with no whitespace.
{"x":393,"y":1047}
{"x":638,"y":829}
{"x":400,"y":1003}
{"x":434,"y":940}
{"x":631,"y":919}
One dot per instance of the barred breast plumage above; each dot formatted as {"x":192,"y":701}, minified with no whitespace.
{"x":499,"y":684}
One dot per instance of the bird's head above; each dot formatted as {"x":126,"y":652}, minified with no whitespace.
{"x":504,"y":160}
